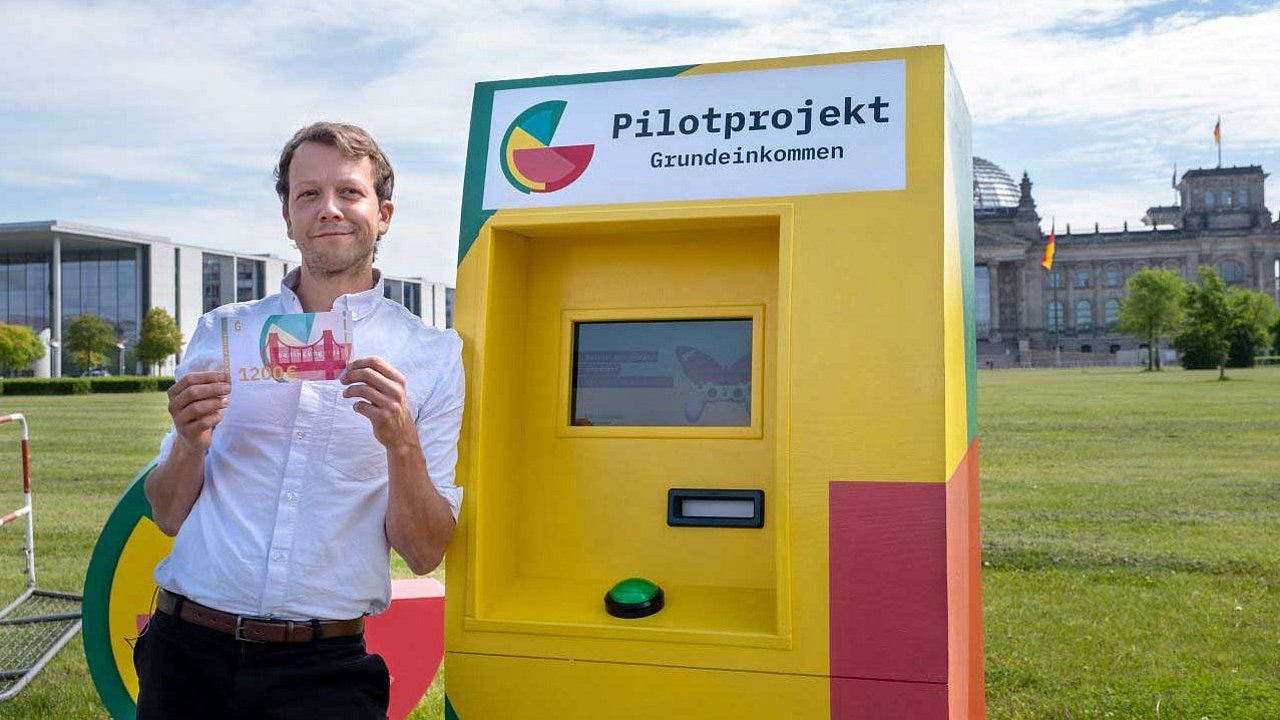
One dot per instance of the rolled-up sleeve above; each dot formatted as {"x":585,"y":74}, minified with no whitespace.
{"x":439,"y":422}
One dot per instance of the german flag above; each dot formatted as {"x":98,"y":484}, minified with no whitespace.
{"x":1047,"y":261}
{"x":1217,"y":132}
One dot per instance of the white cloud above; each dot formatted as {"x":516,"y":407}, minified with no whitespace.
{"x":194,"y":100}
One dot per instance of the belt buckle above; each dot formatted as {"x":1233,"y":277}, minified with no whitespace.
{"x":239,"y":631}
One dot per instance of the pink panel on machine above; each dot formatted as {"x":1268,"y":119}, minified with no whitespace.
{"x":888,"y":584}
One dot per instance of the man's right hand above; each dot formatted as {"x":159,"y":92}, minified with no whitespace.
{"x":195,"y":404}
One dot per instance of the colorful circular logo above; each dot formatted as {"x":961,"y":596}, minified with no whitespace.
{"x":529,"y":160}
{"x":118,"y":594}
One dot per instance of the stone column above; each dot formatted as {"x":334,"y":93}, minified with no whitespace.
{"x":1099,"y":319}
{"x":1067,"y":296}
{"x":993,"y":285}
{"x":1274,"y":274}
{"x":1029,"y":300}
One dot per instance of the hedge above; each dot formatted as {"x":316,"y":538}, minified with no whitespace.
{"x":84,"y":385}
{"x":46,"y":386}
{"x":138,"y":383}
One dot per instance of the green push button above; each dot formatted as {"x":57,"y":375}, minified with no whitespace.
{"x":633,"y":598}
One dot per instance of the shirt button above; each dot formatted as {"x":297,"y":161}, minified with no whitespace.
{"x":290,"y":496}
{"x":279,"y":557}
{"x":301,"y":435}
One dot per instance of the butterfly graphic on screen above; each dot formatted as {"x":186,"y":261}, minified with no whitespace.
{"x":712,"y":382}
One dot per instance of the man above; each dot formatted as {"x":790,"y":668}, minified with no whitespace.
{"x":285,"y":497}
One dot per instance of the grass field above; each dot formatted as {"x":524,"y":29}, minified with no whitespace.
{"x":1131,"y":537}
{"x":1132,"y":544}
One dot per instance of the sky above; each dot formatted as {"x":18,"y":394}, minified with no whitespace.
{"x":167,"y":118}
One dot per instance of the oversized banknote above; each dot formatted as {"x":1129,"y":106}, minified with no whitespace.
{"x":287,"y":348}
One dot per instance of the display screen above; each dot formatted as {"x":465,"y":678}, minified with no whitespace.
{"x":662,"y":373}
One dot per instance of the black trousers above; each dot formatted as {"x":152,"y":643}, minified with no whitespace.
{"x":187,"y":672}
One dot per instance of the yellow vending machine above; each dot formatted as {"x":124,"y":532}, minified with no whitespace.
{"x":719,"y":449}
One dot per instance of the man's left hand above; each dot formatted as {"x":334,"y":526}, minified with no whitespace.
{"x":384,"y":400}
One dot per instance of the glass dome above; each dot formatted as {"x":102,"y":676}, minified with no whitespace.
{"x":993,"y":189}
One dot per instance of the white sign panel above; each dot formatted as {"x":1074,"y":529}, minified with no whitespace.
{"x":788,"y":131}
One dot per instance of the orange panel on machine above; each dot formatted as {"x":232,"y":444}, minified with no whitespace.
{"x":964,"y":591}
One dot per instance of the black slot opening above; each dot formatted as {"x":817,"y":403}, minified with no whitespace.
{"x":689,"y":507}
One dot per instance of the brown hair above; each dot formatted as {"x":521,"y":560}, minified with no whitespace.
{"x":352,"y":141}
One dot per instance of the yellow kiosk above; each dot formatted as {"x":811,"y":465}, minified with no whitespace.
{"x":720,"y":450}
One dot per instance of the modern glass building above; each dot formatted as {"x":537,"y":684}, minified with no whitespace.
{"x":52,"y":272}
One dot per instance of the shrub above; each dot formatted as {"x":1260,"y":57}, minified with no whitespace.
{"x":1199,"y":350}
{"x":19,"y":346}
{"x":47,"y":386}
{"x":1242,"y":351}
{"x":80,"y":386}
{"x":137,"y":383}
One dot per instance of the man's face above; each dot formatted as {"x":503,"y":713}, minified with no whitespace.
{"x":332,"y":211}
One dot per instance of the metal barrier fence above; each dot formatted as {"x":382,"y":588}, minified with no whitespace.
{"x":39,"y":623}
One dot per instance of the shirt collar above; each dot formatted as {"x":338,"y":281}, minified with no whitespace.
{"x":360,"y":304}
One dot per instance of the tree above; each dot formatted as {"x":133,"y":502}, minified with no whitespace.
{"x":1152,"y":309}
{"x":19,"y":346}
{"x":1205,"y":339}
{"x":1252,"y":315}
{"x":89,"y":339}
{"x":158,"y":339}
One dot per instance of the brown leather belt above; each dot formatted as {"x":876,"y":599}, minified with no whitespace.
{"x":252,"y":629}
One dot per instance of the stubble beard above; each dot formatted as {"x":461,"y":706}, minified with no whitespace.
{"x":321,"y":266}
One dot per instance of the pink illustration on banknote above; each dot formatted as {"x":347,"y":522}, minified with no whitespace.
{"x":303,"y":346}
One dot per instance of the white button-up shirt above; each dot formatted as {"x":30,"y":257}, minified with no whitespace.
{"x":291,"y":520}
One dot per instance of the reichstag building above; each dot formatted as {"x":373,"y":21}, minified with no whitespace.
{"x":1023,"y":311}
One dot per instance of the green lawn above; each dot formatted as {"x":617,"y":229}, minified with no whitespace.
{"x":1131,"y":538}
